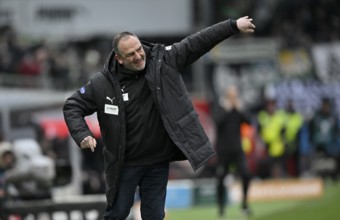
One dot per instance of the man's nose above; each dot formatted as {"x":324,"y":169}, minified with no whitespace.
{"x":138,"y":56}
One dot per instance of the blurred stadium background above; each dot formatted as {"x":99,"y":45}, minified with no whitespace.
{"x":49,"y":48}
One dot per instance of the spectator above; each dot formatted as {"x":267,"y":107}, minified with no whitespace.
{"x":271,"y":122}
{"x":293,"y":125}
{"x":7,"y":161}
{"x":323,"y":130}
{"x":33,"y":173}
{"x":59,"y":71}
{"x":323,"y":127}
{"x":90,"y":65}
{"x":29,"y":66}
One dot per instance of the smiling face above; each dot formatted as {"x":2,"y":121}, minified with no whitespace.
{"x":131,"y":53}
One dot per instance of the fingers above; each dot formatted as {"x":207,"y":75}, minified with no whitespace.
{"x":249,"y":22}
{"x":250,"y":28}
{"x":93,"y":144}
{"x":89,"y":142}
{"x":245,"y":24}
{"x":251,"y":25}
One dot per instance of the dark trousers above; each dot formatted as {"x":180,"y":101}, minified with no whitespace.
{"x":152,"y":182}
{"x":222,"y":170}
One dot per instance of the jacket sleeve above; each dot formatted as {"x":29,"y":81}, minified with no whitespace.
{"x":191,"y":48}
{"x":76,"y":107}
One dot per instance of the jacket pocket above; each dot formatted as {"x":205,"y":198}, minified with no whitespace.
{"x":192,"y":130}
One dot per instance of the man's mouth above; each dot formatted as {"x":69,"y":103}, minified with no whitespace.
{"x":139,"y":62}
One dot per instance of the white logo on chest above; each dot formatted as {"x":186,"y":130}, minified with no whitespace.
{"x":111,"y":100}
{"x":111,"y":109}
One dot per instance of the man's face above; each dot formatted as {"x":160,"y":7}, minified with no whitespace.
{"x":131,"y":54}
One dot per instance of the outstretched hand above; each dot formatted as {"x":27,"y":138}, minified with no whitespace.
{"x":245,"y":25}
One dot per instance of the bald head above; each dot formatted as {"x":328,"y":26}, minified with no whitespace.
{"x":129,"y":51}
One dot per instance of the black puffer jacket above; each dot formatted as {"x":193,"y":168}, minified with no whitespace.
{"x":163,"y":77}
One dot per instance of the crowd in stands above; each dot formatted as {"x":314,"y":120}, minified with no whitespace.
{"x":296,"y":23}
{"x":292,"y":145}
{"x":296,"y":146}
{"x":48,"y":65}
{"x":64,"y":65}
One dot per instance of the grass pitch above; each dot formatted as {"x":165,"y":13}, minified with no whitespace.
{"x":325,"y":208}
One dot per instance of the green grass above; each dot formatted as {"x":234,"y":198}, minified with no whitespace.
{"x":325,"y":208}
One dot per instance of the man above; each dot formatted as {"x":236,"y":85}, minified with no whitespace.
{"x":292,"y":130}
{"x":271,"y":122}
{"x":146,"y":117}
{"x":323,"y":128}
{"x":229,"y":149}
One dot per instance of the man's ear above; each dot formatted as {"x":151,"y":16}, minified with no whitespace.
{"x":119,"y":59}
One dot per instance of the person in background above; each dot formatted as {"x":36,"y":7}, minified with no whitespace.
{"x":7,"y":162}
{"x":293,"y":126}
{"x":31,"y":178}
{"x":229,"y":149}
{"x":271,"y":128}
{"x":146,"y":116}
{"x":324,"y":129}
